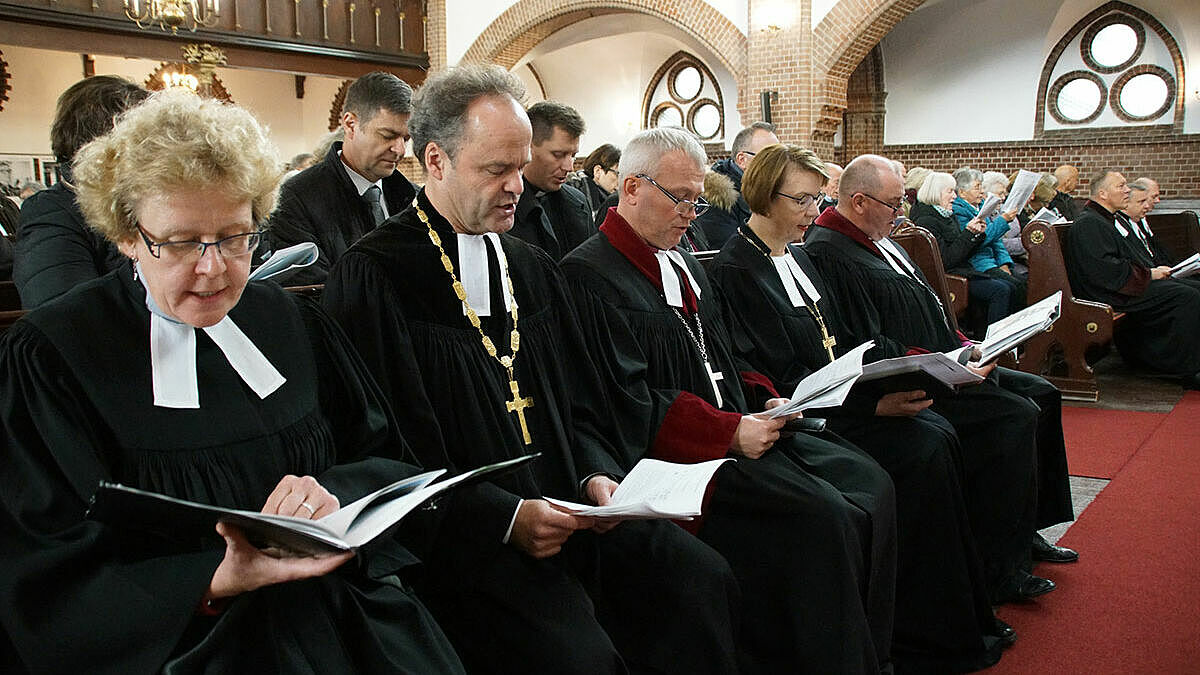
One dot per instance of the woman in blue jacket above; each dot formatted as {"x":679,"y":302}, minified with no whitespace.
{"x":990,"y":259}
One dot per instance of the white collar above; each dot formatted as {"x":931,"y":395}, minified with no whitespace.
{"x":1120,"y":228}
{"x":473,"y":271}
{"x":362,"y":184}
{"x":790,"y":272}
{"x":894,"y":258}
{"x":672,"y":287}
{"x":173,"y":358}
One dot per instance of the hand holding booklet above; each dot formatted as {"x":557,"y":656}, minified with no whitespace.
{"x":934,"y":373}
{"x":346,"y":529}
{"x":827,"y":387}
{"x":1008,"y":333}
{"x":1187,"y":268}
{"x":654,"y":489}
{"x":988,"y":208}
{"x":1020,"y":191}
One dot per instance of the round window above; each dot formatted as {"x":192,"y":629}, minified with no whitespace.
{"x":1114,"y":45}
{"x":668,"y":116}
{"x":706,"y":120}
{"x":686,"y":83}
{"x":1143,"y":93}
{"x":1079,"y":99}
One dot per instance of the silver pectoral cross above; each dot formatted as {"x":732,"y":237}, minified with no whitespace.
{"x":714,"y":376}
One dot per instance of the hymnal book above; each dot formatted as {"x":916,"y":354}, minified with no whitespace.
{"x":827,"y":387}
{"x":1187,"y":268}
{"x":348,"y":528}
{"x":1008,"y":333}
{"x":654,"y":489}
{"x":936,"y":374}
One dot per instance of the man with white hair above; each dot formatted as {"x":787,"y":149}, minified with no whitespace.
{"x":1107,"y":262}
{"x":1010,"y":424}
{"x":719,"y":224}
{"x":807,"y":523}
{"x":470,"y":334}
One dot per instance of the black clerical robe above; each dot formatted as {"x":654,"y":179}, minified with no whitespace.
{"x":555,"y":222}
{"x":76,"y":407}
{"x":1010,"y":425}
{"x":322,"y":205}
{"x":1162,"y":316}
{"x":655,"y":588}
{"x":808,"y":528}
{"x":943,"y":618}
{"x":1065,"y":205}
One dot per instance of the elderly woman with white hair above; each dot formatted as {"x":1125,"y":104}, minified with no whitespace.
{"x":173,"y":374}
{"x":991,"y":259}
{"x":958,"y":245}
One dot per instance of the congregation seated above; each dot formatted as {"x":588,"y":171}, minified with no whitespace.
{"x":56,"y":250}
{"x":1108,"y":262}
{"x":188,"y":381}
{"x":598,"y":177}
{"x":1067,"y":179}
{"x":958,"y":245}
{"x":991,"y":258}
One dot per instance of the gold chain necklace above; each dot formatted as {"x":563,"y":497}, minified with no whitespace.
{"x":827,"y":341}
{"x":517,"y":404}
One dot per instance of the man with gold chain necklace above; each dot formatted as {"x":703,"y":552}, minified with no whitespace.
{"x":472,"y":336}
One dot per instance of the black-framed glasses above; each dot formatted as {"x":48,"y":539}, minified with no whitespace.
{"x":684,"y":207}
{"x":896,"y":208}
{"x":802,"y":201}
{"x":234,"y":246}
{"x":613,"y":170}
{"x":747,"y":152}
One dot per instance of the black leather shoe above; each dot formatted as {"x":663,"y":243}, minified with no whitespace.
{"x":1047,"y":552}
{"x":1004,"y":632}
{"x":1024,"y":586}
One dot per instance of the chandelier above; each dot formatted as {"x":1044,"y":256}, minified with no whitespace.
{"x":174,"y":13}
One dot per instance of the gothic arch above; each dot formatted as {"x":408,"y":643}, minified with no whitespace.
{"x":521,"y":27}
{"x":843,"y":38}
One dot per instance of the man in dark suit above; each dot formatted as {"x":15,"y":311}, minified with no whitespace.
{"x":1063,"y":202}
{"x":356,"y":187}
{"x":551,"y":214}
{"x":718,"y":224}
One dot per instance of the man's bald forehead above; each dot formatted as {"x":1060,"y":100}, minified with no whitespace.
{"x":866,"y":174}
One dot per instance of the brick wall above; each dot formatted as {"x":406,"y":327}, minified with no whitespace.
{"x":1170,"y":158}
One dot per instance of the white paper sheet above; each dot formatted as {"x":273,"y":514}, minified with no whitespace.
{"x":654,"y":489}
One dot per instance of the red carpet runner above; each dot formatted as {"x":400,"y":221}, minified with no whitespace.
{"x":1100,"y":442}
{"x":1132,"y":602}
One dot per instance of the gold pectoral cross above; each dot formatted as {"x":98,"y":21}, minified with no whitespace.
{"x":827,"y":341}
{"x":518,"y":405}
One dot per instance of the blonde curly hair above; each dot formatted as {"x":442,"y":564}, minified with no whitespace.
{"x":175,"y":141}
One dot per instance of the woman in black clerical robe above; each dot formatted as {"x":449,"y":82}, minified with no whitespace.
{"x":780,"y":323}
{"x":1010,"y":426}
{"x":172,"y":374}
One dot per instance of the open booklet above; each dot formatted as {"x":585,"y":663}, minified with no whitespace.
{"x":654,"y":489}
{"x":1187,"y":268}
{"x":1048,"y":216}
{"x":988,"y":208}
{"x":348,"y":528}
{"x":1020,"y":191}
{"x":1009,"y":332}
{"x":827,"y":387}
{"x":285,"y":260}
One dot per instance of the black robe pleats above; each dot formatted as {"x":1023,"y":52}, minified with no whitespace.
{"x":809,"y":528}
{"x":943,"y":617}
{"x":76,"y":405}
{"x":652,"y":588}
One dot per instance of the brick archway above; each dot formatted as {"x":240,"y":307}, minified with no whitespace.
{"x":521,"y":27}
{"x":841,"y":41}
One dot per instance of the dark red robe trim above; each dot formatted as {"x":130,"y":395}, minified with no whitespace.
{"x":760,"y":381}
{"x":621,"y":235}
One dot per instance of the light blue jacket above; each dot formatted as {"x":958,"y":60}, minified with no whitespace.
{"x":991,"y":252}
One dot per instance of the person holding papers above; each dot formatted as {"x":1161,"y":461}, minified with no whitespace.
{"x":470,"y":332}
{"x":991,"y":259}
{"x":784,"y":326}
{"x":1108,"y":262}
{"x":807,"y":522}
{"x":1010,"y":425}
{"x":174,"y":375}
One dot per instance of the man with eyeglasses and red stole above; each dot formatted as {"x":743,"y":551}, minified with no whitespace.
{"x":1010,"y":424}
{"x":806,"y":522}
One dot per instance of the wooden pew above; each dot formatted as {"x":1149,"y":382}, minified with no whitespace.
{"x":1178,"y":232}
{"x":922,"y":247}
{"x":1084,"y":326}
{"x":312,"y":291}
